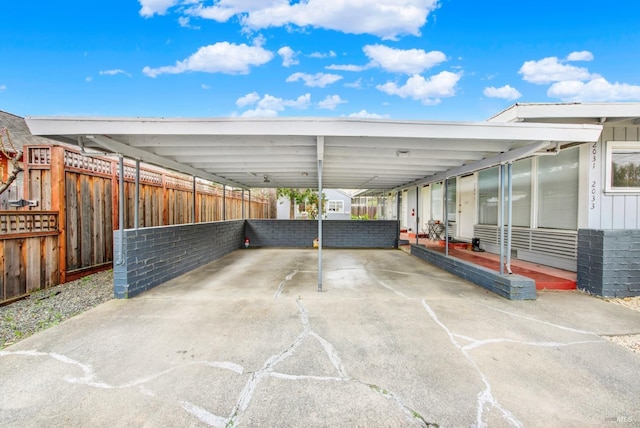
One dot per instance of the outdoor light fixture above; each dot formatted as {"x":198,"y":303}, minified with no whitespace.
{"x":304,"y":174}
{"x":266,"y":179}
{"x":402,"y":153}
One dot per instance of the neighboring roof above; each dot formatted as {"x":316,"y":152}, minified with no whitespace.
{"x":604,"y":113}
{"x":19,"y":131}
{"x":285,"y":152}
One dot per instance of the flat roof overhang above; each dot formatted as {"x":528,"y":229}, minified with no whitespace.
{"x":291,"y":152}
{"x":620,"y":114}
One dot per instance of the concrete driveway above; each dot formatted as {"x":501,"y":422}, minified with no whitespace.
{"x":392,"y":341}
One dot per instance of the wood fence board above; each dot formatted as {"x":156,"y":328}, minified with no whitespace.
{"x":33,"y":265}
{"x":98,"y":221}
{"x":52,"y":272}
{"x":108,"y":220}
{"x":86,"y":222}
{"x":72,"y":221}
{"x":46,"y":194}
{"x":15,"y":284}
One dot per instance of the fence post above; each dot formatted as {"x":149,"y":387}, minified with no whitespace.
{"x":58,"y":192}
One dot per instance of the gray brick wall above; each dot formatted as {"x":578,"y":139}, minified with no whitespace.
{"x":152,"y":256}
{"x":513,"y":287}
{"x":336,"y":233}
{"x":609,"y":262}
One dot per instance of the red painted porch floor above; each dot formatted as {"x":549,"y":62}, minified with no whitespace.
{"x":546,"y":277}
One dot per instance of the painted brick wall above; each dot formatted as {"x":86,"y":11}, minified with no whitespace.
{"x":336,"y":233}
{"x":152,"y":256}
{"x":609,"y":262}
{"x":513,"y":287}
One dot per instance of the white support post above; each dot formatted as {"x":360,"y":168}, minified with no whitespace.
{"x":224,"y":202}
{"x":193,"y":208}
{"x":501,"y":219}
{"x":417,"y":214}
{"x":446,"y":217}
{"x":509,"y":214}
{"x":320,"y":152}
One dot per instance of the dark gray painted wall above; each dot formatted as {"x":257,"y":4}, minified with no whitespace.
{"x":336,"y":233}
{"x":609,"y":262}
{"x":155,"y":255}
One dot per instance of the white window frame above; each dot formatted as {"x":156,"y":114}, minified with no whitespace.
{"x":339,"y":209}
{"x":611,"y":145}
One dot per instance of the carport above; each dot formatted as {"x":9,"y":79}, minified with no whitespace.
{"x":292,"y":153}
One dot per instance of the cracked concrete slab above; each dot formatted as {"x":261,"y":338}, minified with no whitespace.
{"x":391,"y":341}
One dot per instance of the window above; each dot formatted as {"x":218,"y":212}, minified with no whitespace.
{"x":451,"y":199}
{"x":335,"y":207}
{"x":521,"y":191}
{"x":488,"y":196}
{"x":558,"y":190}
{"x":436,"y":201}
{"x":623,"y":166}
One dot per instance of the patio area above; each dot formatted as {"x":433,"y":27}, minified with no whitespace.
{"x":546,"y":277}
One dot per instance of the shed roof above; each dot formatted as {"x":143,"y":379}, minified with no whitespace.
{"x":288,"y":152}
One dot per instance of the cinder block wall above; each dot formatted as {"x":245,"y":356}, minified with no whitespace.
{"x":336,"y":233}
{"x":155,"y":255}
{"x":609,"y":262}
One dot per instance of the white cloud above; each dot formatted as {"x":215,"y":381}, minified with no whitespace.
{"x":506,"y":92}
{"x":248,"y":100}
{"x":269,"y":106}
{"x":388,"y":19}
{"x":580,"y":56}
{"x":318,"y":80}
{"x":409,"y":61}
{"x":288,"y":56}
{"x":330,"y":54}
{"x":259,"y":113}
{"x":114,"y":72}
{"x":156,"y":7}
{"x":88,"y":79}
{"x":205,"y":86}
{"x":357,"y":84}
{"x":347,"y":67}
{"x":331,"y":102}
{"x":552,"y":69}
{"x":222,"y":57}
{"x":363,"y":114}
{"x":596,"y":90}
{"x":3,"y":87}
{"x":428,"y":91}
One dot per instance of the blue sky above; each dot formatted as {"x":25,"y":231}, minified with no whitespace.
{"x":399,"y":59}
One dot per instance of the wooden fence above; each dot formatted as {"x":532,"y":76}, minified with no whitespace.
{"x":71,"y":234}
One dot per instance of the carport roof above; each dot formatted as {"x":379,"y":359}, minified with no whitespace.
{"x":288,"y":152}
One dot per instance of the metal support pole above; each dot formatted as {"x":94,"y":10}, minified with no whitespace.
{"x":242,"y":210}
{"x":193,"y":208}
{"x":136,"y":214}
{"x":320,"y":208}
{"x":446,"y":217}
{"x":249,"y":207}
{"x":501,"y":219}
{"x":121,"y":207}
{"x":224,"y":202}
{"x":509,"y":214}
{"x":417,"y":214}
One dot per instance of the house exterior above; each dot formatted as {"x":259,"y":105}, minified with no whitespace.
{"x":575,"y":208}
{"x":338,"y":206}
